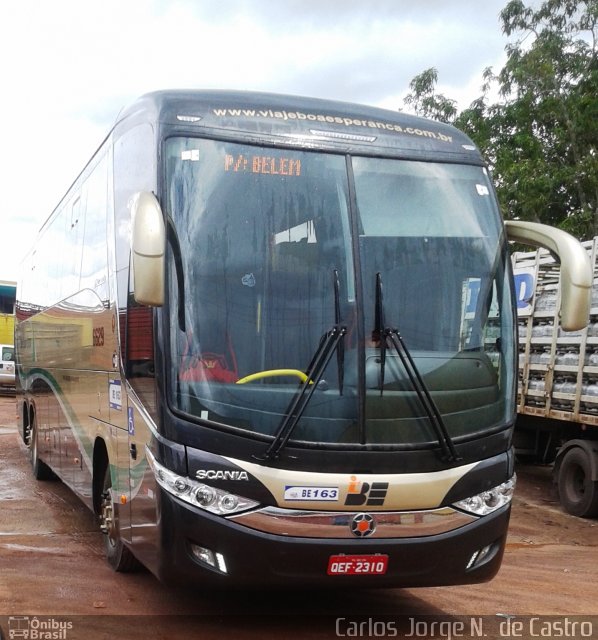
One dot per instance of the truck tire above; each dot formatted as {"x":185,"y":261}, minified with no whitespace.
{"x":578,"y":493}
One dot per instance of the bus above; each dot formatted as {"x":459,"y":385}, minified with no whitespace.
{"x":271,"y":340}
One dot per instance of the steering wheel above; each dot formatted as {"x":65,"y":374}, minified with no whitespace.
{"x":271,"y":373}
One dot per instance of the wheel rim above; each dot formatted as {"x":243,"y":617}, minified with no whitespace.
{"x":576,"y":484}
{"x":107,"y":524}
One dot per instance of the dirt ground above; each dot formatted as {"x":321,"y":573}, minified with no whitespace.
{"x":52,"y":564}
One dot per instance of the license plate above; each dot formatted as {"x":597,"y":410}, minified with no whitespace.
{"x":367,"y":565}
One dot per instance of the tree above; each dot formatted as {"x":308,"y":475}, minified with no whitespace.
{"x":541,"y":138}
{"x":426,"y":102}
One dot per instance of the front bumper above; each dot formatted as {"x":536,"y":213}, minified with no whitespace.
{"x":259,"y":558}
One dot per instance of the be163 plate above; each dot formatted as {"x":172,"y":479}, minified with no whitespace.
{"x":364,"y":565}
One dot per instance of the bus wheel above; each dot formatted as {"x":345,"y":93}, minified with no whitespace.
{"x":578,"y":493}
{"x":118,"y":555}
{"x":41,"y":471}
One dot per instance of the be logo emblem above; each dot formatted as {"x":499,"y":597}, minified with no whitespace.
{"x":365,"y":493}
{"x":363,"y":525}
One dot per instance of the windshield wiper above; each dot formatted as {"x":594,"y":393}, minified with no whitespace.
{"x":330,"y":342}
{"x":387,"y":336}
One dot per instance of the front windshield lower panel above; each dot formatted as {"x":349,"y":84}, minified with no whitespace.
{"x":262,"y":271}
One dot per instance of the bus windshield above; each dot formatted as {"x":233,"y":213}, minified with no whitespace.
{"x":269,"y":250}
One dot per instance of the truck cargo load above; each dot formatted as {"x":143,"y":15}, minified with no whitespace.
{"x":558,"y":381}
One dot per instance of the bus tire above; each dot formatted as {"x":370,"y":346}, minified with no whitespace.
{"x":578,"y":493}
{"x":118,"y":555}
{"x":41,"y":471}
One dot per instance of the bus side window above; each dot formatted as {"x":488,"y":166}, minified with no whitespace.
{"x":140,"y":364}
{"x":140,"y":341}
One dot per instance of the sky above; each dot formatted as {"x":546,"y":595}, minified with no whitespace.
{"x":70,"y":66}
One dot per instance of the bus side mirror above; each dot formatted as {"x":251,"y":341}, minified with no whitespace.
{"x":576,"y":268}
{"x":148,"y":244}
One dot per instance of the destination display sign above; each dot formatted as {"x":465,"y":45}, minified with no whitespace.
{"x":262,"y":164}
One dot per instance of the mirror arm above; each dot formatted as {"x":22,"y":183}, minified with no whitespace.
{"x":576,"y":268}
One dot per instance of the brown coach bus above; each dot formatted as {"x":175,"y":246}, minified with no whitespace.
{"x":271,"y":340}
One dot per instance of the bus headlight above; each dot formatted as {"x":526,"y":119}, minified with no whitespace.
{"x":489,"y":501}
{"x":200,"y":495}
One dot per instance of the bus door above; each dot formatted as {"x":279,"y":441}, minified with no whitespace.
{"x":115,"y":412}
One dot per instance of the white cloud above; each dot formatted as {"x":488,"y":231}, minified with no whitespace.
{"x":69,"y":66}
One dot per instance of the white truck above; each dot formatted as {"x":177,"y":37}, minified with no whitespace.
{"x":558,"y":382}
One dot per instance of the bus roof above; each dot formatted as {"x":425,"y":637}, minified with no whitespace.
{"x":268,"y":118}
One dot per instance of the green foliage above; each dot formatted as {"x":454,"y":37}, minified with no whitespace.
{"x":426,"y":102}
{"x":541,"y":138}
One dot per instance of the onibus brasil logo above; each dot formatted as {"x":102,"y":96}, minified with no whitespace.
{"x":36,"y":628}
